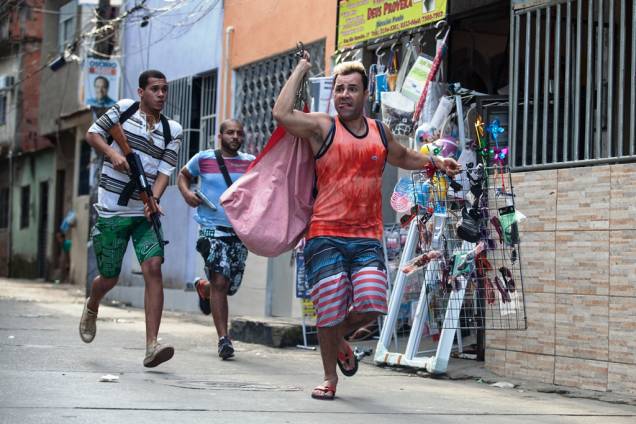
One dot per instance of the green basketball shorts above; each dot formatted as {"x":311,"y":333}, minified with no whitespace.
{"x":110,"y":239}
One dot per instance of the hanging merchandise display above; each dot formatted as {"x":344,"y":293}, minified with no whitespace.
{"x":416,"y":78}
{"x":397,"y":111}
{"x":462,"y":247}
{"x":308,"y":322}
{"x":434,"y":67}
{"x":444,"y":109}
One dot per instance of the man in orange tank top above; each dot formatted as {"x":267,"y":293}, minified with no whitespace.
{"x":343,"y":255}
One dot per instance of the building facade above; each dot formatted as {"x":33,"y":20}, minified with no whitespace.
{"x":182,"y":40}
{"x":572,"y":107}
{"x":259,"y":56}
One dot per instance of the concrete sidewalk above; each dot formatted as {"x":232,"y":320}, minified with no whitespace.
{"x":48,"y":375}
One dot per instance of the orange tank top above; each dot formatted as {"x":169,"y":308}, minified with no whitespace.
{"x":349,"y":183}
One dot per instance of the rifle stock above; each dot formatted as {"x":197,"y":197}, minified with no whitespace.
{"x":138,"y":175}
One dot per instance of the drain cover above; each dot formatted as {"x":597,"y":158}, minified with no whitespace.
{"x":230,"y":385}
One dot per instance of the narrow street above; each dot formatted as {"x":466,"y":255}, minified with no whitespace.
{"x":47,"y":375}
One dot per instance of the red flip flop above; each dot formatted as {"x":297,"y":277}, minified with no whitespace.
{"x":324,"y":392}
{"x":344,"y":359}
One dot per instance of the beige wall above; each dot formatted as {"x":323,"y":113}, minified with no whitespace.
{"x":578,"y":249}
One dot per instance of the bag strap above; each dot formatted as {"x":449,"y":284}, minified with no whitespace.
{"x":125,"y":115}
{"x":128,"y":112}
{"x":221,"y":162}
{"x":167,"y":136}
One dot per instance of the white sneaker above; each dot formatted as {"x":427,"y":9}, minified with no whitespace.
{"x":157,"y":354}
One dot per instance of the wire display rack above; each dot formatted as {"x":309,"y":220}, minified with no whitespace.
{"x":460,"y":268}
{"x":469,"y":243}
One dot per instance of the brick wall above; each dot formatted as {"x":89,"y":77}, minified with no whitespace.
{"x":579,"y":266}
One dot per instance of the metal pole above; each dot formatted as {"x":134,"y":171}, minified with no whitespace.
{"x":610,"y":80}
{"x":577,"y":83}
{"x":515,"y":92}
{"x":620,"y":129}
{"x":568,"y":71}
{"x":526,"y":92}
{"x":398,"y":287}
{"x":557,"y":87}
{"x":599,"y":80}
{"x":535,"y":100}
{"x":588,"y":80}
{"x":632,"y":115}
{"x":511,"y":77}
{"x":546,"y":86}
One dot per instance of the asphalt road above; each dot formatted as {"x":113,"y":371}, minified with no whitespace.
{"x":47,"y":375}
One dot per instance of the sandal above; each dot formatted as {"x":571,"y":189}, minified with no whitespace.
{"x":361,"y":334}
{"x":505,"y":297}
{"x":204,"y":303}
{"x":507,"y":277}
{"x":490,"y":291}
{"x":496,"y":223}
{"x":343,"y":361}
{"x":323,"y":392}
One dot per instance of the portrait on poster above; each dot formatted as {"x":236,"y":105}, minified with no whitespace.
{"x":101,"y":82}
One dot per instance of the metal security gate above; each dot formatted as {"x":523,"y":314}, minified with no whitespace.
{"x":208,"y":112}
{"x":573,"y":83}
{"x":192,"y":103}
{"x":258,"y":86}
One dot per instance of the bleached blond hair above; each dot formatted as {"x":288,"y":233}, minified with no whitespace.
{"x":348,"y":68}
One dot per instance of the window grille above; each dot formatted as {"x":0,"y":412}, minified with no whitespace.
{"x":192,"y":103}
{"x":257,"y":87}
{"x":573,"y":83}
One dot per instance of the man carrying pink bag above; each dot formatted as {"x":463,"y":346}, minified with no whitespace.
{"x":344,"y":261}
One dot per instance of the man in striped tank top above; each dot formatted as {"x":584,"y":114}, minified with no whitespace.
{"x":344,"y":258}
{"x":156,"y":140}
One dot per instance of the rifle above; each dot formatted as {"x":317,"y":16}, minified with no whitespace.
{"x":137,"y":181}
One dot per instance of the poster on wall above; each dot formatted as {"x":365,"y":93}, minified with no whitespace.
{"x":101,"y":83}
{"x":361,"y":20}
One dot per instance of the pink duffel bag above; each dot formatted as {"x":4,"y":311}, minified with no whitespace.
{"x":270,"y":205}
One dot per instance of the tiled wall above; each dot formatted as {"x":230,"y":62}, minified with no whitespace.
{"x":579,"y":266}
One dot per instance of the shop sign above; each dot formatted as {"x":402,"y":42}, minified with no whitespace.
{"x":361,"y":20}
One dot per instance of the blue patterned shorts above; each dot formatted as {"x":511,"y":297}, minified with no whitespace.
{"x":223,"y":253}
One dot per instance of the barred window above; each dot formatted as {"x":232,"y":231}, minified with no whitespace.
{"x":573,"y":83}
{"x":192,"y":103}
{"x":257,"y":87}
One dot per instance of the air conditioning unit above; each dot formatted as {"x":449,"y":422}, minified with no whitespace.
{"x":6,"y":82}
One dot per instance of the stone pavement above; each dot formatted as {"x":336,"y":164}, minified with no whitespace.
{"x":47,"y":375}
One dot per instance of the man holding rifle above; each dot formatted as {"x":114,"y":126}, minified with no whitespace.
{"x":137,"y":165}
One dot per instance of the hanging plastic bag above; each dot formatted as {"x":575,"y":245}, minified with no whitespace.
{"x":436,"y":91}
{"x":509,"y":219}
{"x":270,"y":206}
{"x":397,"y":113}
{"x":416,"y":78}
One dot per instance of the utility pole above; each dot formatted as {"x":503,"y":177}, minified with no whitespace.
{"x":104,"y":48}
